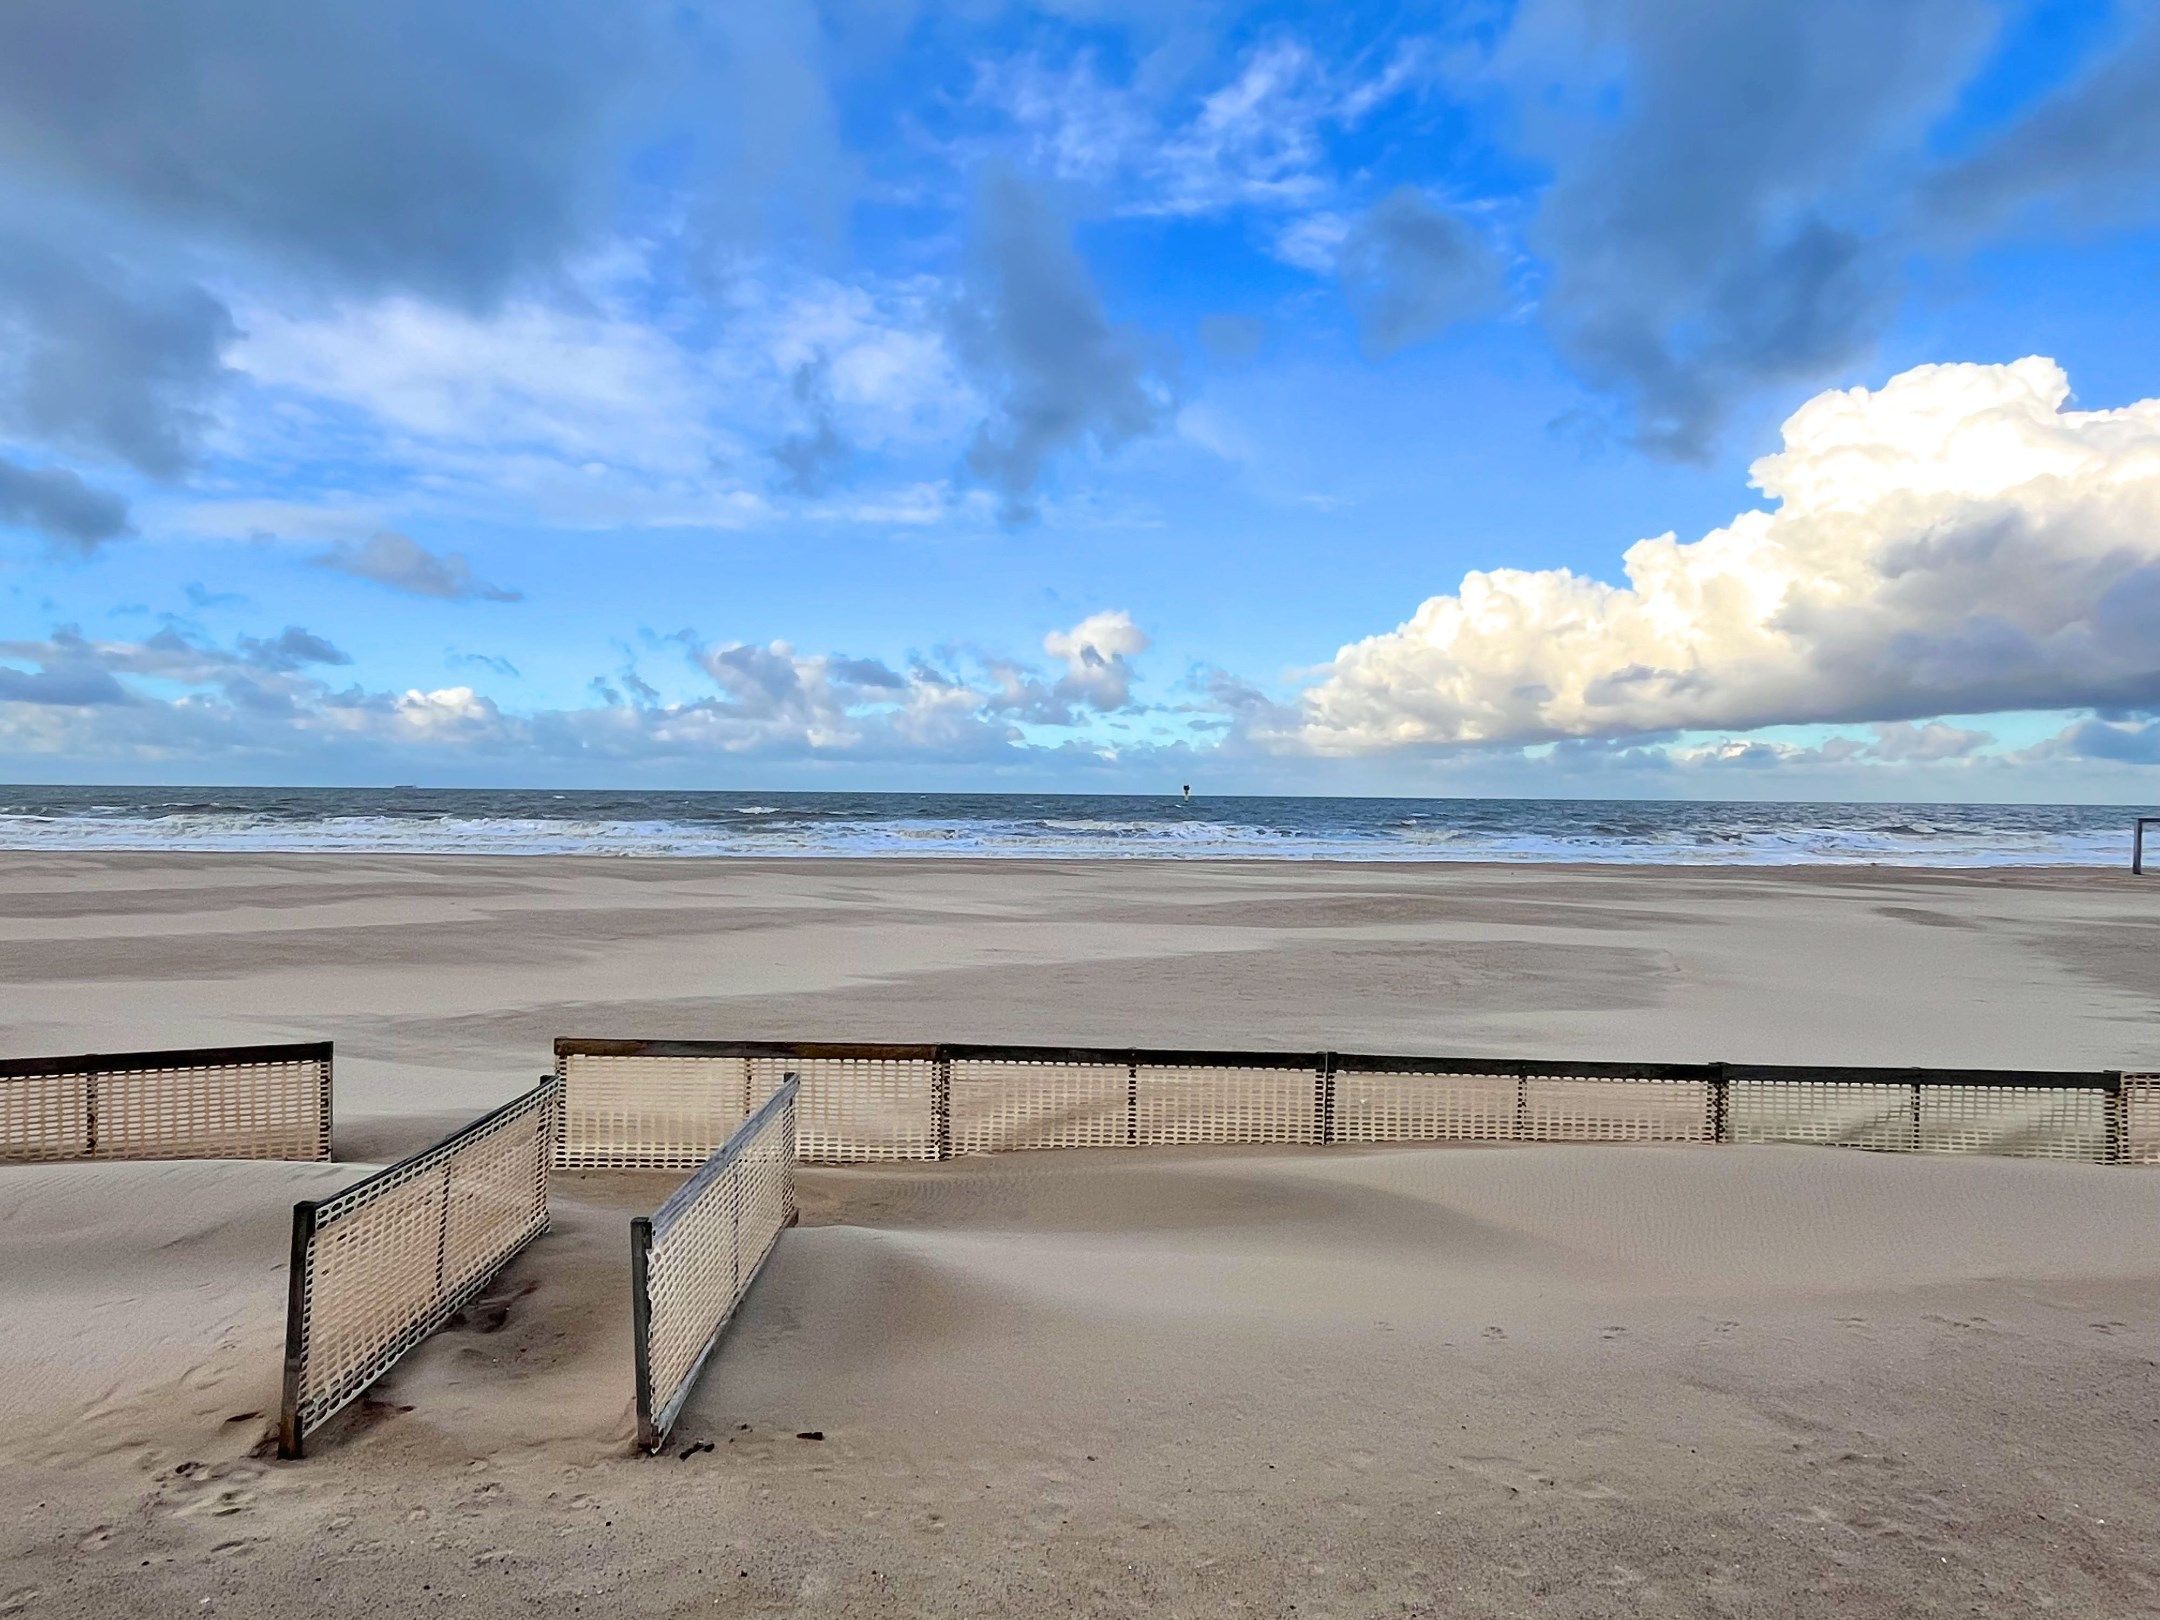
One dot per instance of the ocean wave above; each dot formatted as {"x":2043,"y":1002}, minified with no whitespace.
{"x":1528,"y":832}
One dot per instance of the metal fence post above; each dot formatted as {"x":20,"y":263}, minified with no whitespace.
{"x":941,"y":1101}
{"x":2114,"y":1103}
{"x":1522,"y":1105}
{"x":1913,"y":1146}
{"x":1324,"y":1099}
{"x":648,"y":1437}
{"x":1720,"y":1103}
{"x":1132,"y":1099}
{"x":90,"y":1113}
{"x":291,"y":1439}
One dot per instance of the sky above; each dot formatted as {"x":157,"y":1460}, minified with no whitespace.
{"x":1678,"y":398}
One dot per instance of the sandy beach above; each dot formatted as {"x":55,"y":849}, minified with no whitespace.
{"x":1575,"y":1380}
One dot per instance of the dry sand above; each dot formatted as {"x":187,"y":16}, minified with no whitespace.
{"x":1685,"y":1381}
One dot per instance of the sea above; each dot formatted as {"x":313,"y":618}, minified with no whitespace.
{"x":747,"y":825}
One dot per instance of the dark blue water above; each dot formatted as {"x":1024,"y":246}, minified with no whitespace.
{"x":512,"y":822}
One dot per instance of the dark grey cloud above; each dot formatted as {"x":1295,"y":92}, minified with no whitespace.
{"x":103,"y":361}
{"x":268,"y":678}
{"x":2091,"y":151}
{"x":1412,"y":270}
{"x":811,"y":459}
{"x":59,"y":505}
{"x":1721,"y":182}
{"x":1032,"y":328}
{"x":292,"y":648}
{"x":400,"y":563}
{"x":394,"y":143}
{"x":64,"y":685}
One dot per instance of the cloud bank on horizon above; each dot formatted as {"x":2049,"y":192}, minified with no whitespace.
{"x":835,"y":392}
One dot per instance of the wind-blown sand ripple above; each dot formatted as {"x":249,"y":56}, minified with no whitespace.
{"x":1579,"y":1380}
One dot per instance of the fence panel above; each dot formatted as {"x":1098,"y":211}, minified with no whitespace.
{"x":2140,"y":1119}
{"x":692,"y":1262}
{"x":669,"y":1105}
{"x":378,"y":1267}
{"x":1827,"y":1113}
{"x":1228,"y":1097}
{"x":1423,"y":1105}
{"x":648,"y":1111}
{"x":663,"y":1102}
{"x":2014,"y":1121}
{"x":1001,"y":1105}
{"x":236,"y":1102}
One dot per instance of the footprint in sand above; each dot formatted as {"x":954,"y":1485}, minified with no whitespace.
{"x":1494,"y":1333}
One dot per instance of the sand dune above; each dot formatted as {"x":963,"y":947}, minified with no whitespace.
{"x":1580,"y":1380}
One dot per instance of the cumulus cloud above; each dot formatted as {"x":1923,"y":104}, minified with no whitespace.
{"x":59,"y":505}
{"x":1060,"y":376}
{"x":1097,"y":654}
{"x":400,"y":563}
{"x":1955,"y":542}
{"x":1412,"y":270}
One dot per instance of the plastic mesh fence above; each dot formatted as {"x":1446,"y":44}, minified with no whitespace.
{"x":252,"y":1102}
{"x":693,"y":1261}
{"x":1225,"y":1102}
{"x":663,"y":1103}
{"x":1933,"y":1115}
{"x":671,"y":1107}
{"x":660,"y":1113}
{"x":1001,"y":1105}
{"x":381,"y":1265}
{"x":2141,"y":1118}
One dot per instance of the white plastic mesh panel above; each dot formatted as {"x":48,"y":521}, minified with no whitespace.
{"x":393,"y":1258}
{"x":1558,"y":1109}
{"x":1832,"y":1113}
{"x":1372,"y":1106}
{"x":2016,"y":1121}
{"x":663,"y":1113}
{"x":45,"y":1116}
{"x":269,"y":1109}
{"x":703,"y":1261}
{"x":2141,"y":1119}
{"x":998,"y":1106}
{"x":852,"y":1109}
{"x":1227,"y":1103}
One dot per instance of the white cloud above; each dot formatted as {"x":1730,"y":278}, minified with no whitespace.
{"x":1256,"y":139}
{"x":1954,"y":542}
{"x":583,"y":385}
{"x":1096,"y":653}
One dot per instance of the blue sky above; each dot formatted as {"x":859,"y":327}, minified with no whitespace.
{"x":1084,"y":395}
